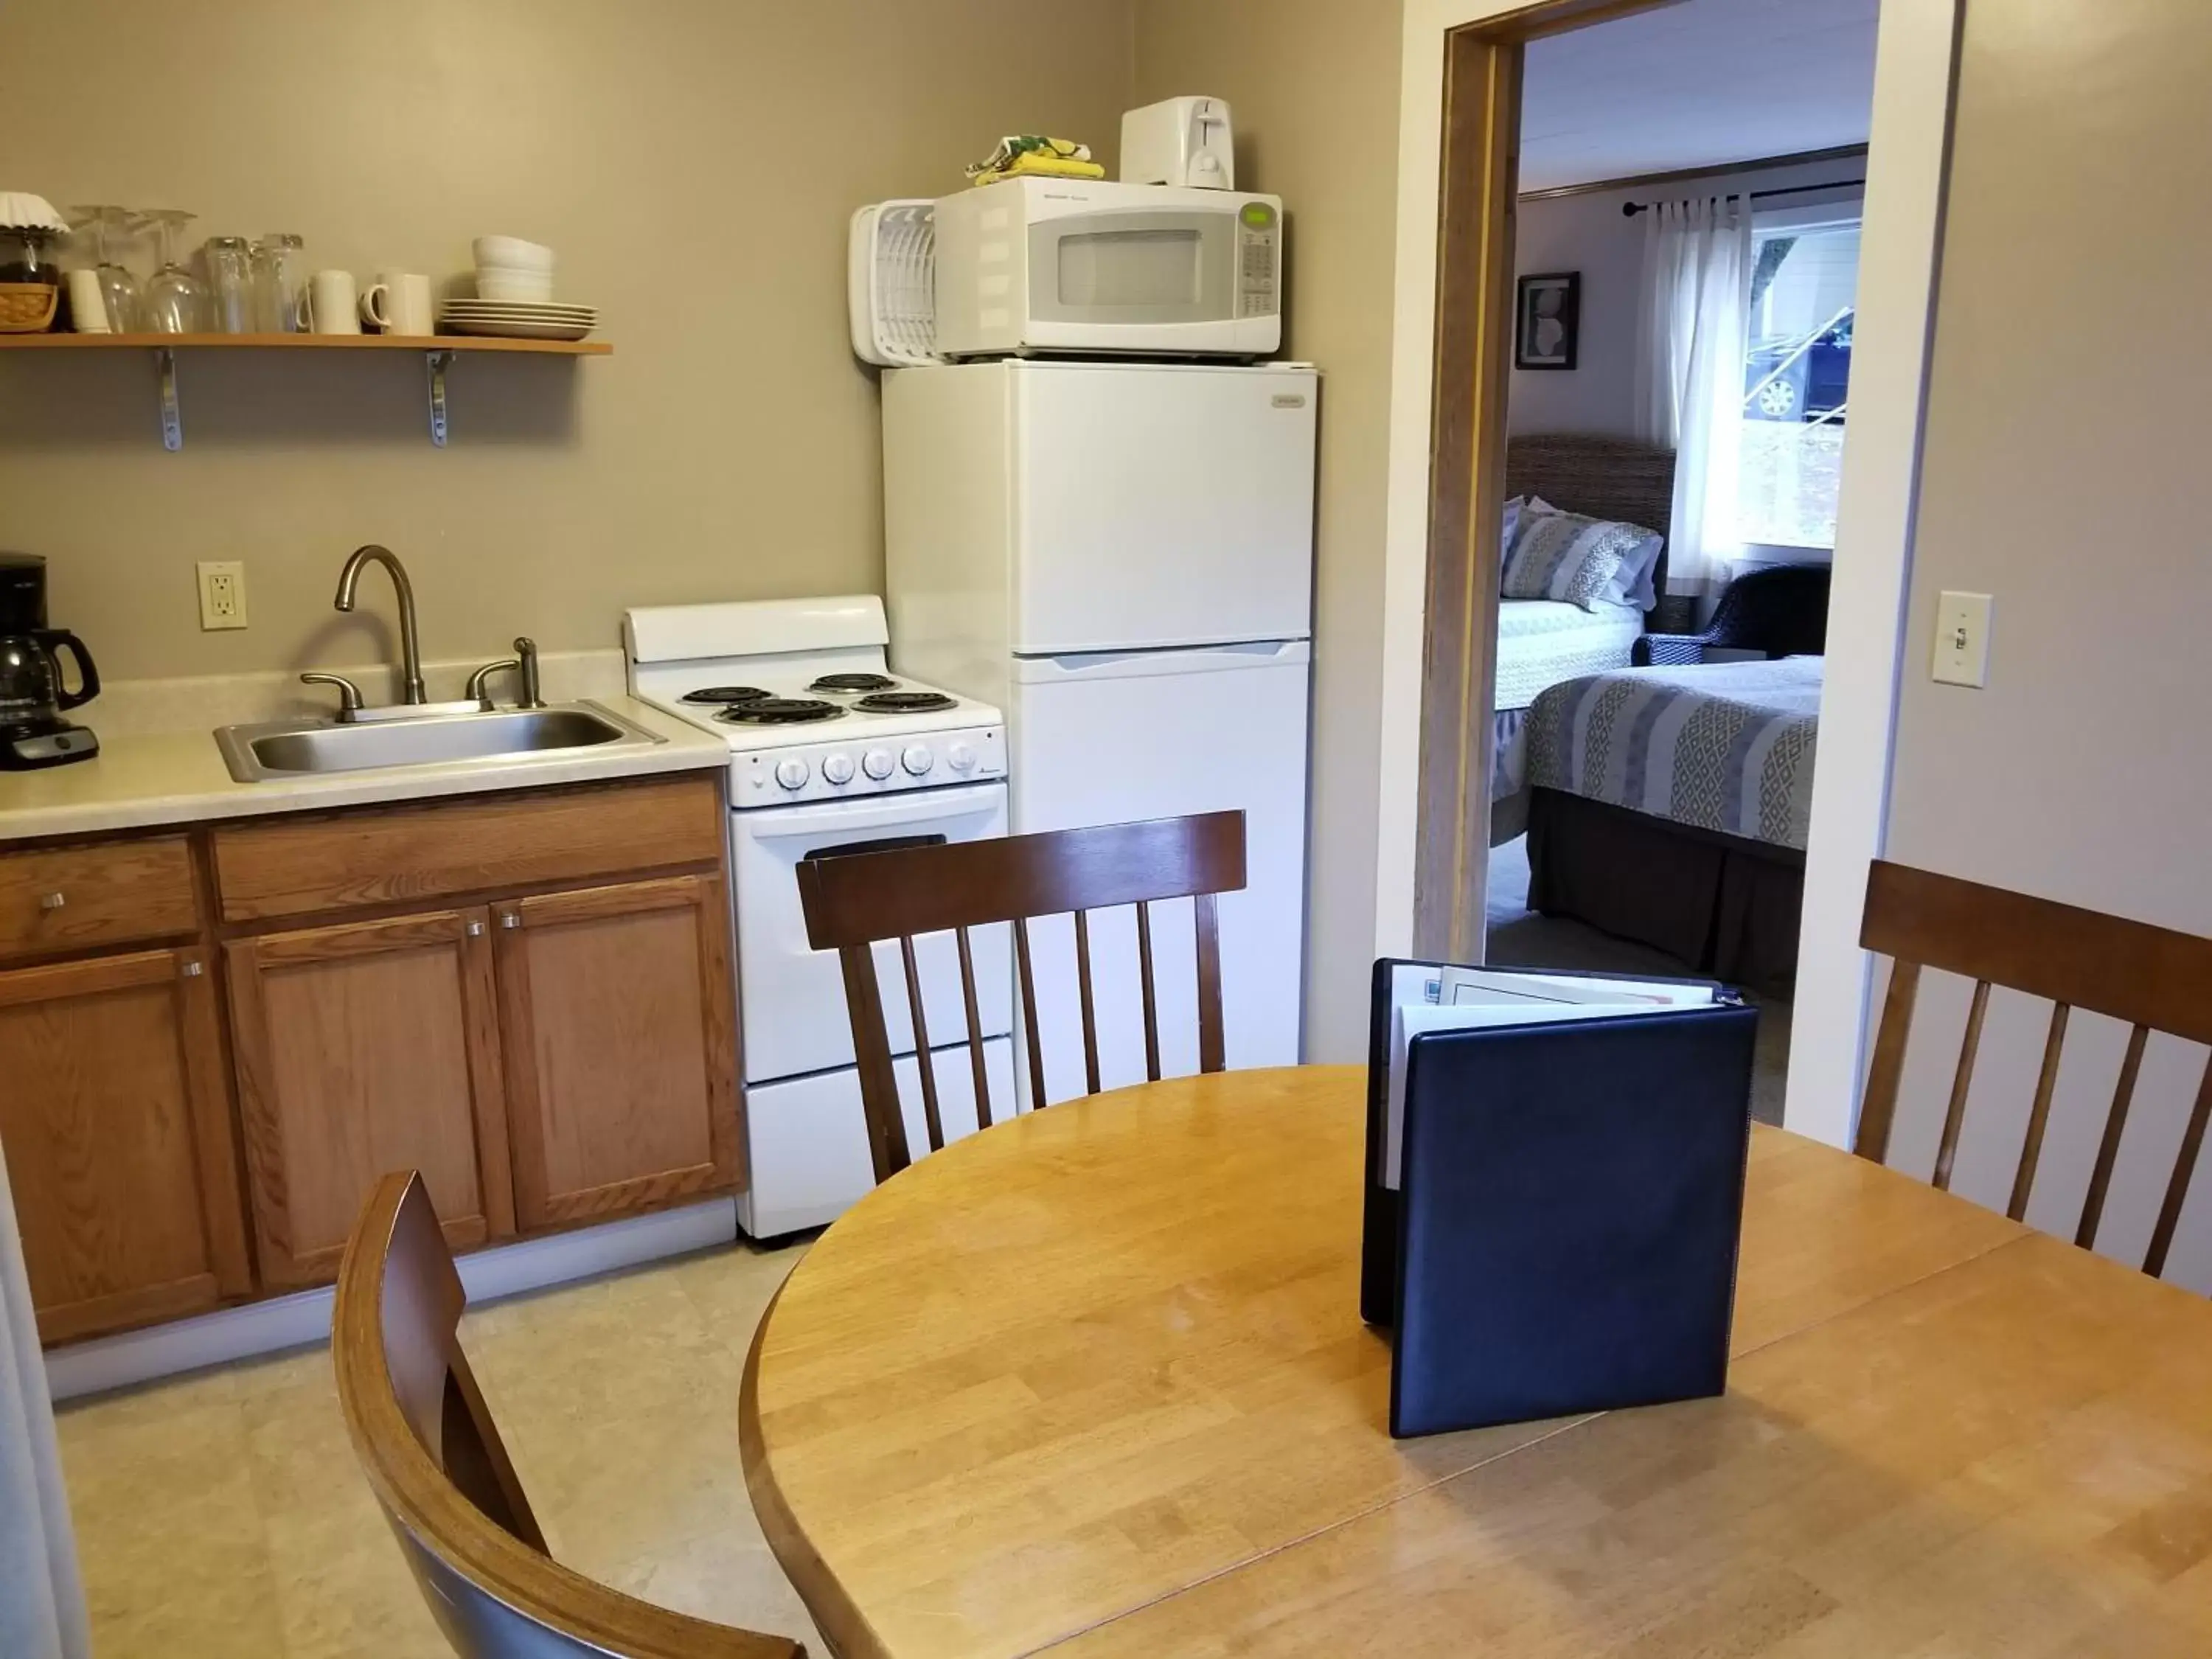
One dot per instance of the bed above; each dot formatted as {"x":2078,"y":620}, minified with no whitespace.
{"x":1665,"y":805}
{"x":1542,"y":642}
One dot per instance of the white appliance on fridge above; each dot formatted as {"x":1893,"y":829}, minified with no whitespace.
{"x":1119,"y":556}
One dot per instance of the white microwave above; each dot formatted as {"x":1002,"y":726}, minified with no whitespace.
{"x":1032,"y":266}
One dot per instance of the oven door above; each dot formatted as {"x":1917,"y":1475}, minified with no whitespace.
{"x":791,"y":997}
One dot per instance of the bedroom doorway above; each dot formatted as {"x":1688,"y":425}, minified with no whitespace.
{"x":1622,"y":678}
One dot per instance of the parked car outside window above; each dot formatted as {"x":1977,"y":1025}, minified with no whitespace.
{"x":1815,"y":382}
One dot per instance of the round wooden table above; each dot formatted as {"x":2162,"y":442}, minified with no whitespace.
{"x":1094,"y":1381}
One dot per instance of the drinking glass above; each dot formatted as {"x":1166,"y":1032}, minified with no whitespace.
{"x":119,"y":289}
{"x":230,"y":283}
{"x":279,"y":274}
{"x":177,"y":302}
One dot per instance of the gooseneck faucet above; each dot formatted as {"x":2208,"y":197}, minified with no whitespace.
{"x":410,"y":649}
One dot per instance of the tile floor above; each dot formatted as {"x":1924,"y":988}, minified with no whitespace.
{"x":221,"y":1515}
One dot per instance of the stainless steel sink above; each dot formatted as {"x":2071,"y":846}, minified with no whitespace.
{"x":290,"y":748}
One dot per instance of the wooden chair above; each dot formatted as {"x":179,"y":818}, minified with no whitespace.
{"x":2153,"y":978}
{"x":429,"y":1449}
{"x":855,"y":899}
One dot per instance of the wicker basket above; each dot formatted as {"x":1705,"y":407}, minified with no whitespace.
{"x":27,"y":308}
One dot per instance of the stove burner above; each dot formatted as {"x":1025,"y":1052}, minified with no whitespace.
{"x":854,"y":683}
{"x":905,"y":703}
{"x":780,"y":711}
{"x":726,"y":694}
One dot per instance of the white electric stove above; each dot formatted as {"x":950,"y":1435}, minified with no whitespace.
{"x":831,"y":753}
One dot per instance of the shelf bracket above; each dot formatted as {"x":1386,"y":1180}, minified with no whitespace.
{"x":173,"y":423}
{"x":438,"y":363}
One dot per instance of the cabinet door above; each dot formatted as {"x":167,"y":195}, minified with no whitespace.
{"x":621,"y":1045}
{"x":364,"y":1049}
{"x":116,"y":1129}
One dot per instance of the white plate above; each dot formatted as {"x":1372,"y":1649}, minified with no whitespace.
{"x":522,"y":308}
{"x":503,"y":328}
{"x":588,"y":319}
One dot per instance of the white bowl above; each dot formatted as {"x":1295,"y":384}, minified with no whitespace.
{"x":513,"y":253}
{"x":533,"y":286}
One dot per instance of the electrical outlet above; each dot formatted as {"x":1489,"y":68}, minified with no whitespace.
{"x":1962,"y":639}
{"x":223,"y":594}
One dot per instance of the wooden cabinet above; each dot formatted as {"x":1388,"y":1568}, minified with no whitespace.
{"x":620,"y":1046}
{"x":116,"y":1128}
{"x":365,"y":1047}
{"x":526,"y":996}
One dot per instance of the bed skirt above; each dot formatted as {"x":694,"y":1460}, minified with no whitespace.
{"x":1726,"y":905}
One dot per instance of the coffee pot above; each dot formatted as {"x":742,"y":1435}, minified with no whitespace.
{"x":34,"y":692}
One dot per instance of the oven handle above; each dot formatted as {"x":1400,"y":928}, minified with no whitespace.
{"x":840,"y":819}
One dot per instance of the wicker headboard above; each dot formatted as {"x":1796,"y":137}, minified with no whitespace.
{"x":1603,"y":478}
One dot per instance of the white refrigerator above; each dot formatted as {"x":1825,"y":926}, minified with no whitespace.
{"x":1121,"y":557}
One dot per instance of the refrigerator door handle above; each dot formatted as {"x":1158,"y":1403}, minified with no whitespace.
{"x":1168,"y":660}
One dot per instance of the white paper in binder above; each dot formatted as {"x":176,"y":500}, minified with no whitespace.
{"x":891,"y":282}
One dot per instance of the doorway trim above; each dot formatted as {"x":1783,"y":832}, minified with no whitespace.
{"x":1915,"y":81}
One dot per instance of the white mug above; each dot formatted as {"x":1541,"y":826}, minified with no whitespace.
{"x":327,"y":304}
{"x":399,"y":303}
{"x":87,"y":304}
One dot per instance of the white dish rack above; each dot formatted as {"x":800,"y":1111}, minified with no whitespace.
{"x":891,"y":282}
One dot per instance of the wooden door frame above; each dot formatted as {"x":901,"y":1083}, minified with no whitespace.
{"x":1458,"y":135}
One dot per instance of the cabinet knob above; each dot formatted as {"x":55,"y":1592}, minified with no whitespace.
{"x":474,"y":930}
{"x":510,"y":919}
{"x":192,"y":969}
{"x":52,"y":901}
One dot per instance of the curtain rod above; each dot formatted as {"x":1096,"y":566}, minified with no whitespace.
{"x":1631,"y":209}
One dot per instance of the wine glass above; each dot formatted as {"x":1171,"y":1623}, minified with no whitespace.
{"x":119,"y":289}
{"x":177,"y":302}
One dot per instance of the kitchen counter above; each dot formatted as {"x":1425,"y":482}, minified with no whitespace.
{"x":148,"y":780}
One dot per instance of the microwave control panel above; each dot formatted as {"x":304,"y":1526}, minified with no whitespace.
{"x":1259,"y":260}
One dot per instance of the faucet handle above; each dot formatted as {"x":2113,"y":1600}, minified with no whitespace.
{"x":479,"y":688}
{"x":349,"y":693}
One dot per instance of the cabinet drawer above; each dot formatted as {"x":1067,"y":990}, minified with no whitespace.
{"x":470,"y":844}
{"x":67,"y":898}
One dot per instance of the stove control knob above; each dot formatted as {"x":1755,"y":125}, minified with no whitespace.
{"x":960,"y":757}
{"x":878,"y":763}
{"x":918,"y":759}
{"x":837,"y":768}
{"x":791,"y":773}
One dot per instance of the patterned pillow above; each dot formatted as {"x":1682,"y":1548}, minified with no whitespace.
{"x":1565,"y":556}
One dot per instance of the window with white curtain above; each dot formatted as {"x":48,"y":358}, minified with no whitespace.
{"x":1796,"y":380}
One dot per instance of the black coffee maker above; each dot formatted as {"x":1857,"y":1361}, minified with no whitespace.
{"x":33,"y":698}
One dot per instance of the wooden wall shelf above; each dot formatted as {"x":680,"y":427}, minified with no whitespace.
{"x":438,"y":351}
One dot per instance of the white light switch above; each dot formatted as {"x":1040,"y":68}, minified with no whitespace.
{"x":1962,"y":639}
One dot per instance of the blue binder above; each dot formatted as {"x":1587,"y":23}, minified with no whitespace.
{"x":1562,"y":1234}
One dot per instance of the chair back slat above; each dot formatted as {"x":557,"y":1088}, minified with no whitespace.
{"x":433,"y":1456}
{"x":2185,"y":1167}
{"x":1029,"y":1012}
{"x":2154,"y":979}
{"x":1145,"y":982}
{"x":1886,"y":1071}
{"x":853,"y":899}
{"x":1962,"y":1082}
{"x":2108,"y":1149}
{"x":1213,"y":1048}
{"x":2039,"y":1116}
{"x":932,"y":1118}
{"x":982,"y":1072}
{"x":1083,"y":996}
{"x":871,"y":1051}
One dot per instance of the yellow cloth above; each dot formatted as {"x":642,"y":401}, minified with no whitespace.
{"x":1030,"y":163}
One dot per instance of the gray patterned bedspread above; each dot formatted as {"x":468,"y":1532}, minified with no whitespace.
{"x":1725,"y":747}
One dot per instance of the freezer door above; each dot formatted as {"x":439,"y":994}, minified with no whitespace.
{"x":1160,"y":505}
{"x":1114,"y":738}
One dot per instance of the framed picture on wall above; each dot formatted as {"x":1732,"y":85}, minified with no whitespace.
{"x":1547,"y":319}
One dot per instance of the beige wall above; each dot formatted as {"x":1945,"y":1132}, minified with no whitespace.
{"x":2062,"y":473}
{"x":693,"y":161}
{"x":1313,"y":86}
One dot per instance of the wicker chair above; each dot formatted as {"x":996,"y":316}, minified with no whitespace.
{"x":1783,"y":611}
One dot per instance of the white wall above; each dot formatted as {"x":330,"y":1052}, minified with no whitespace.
{"x":2063,"y":474}
{"x":1589,"y":234}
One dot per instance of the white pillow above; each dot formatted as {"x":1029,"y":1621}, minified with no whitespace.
{"x":1632,"y":583}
